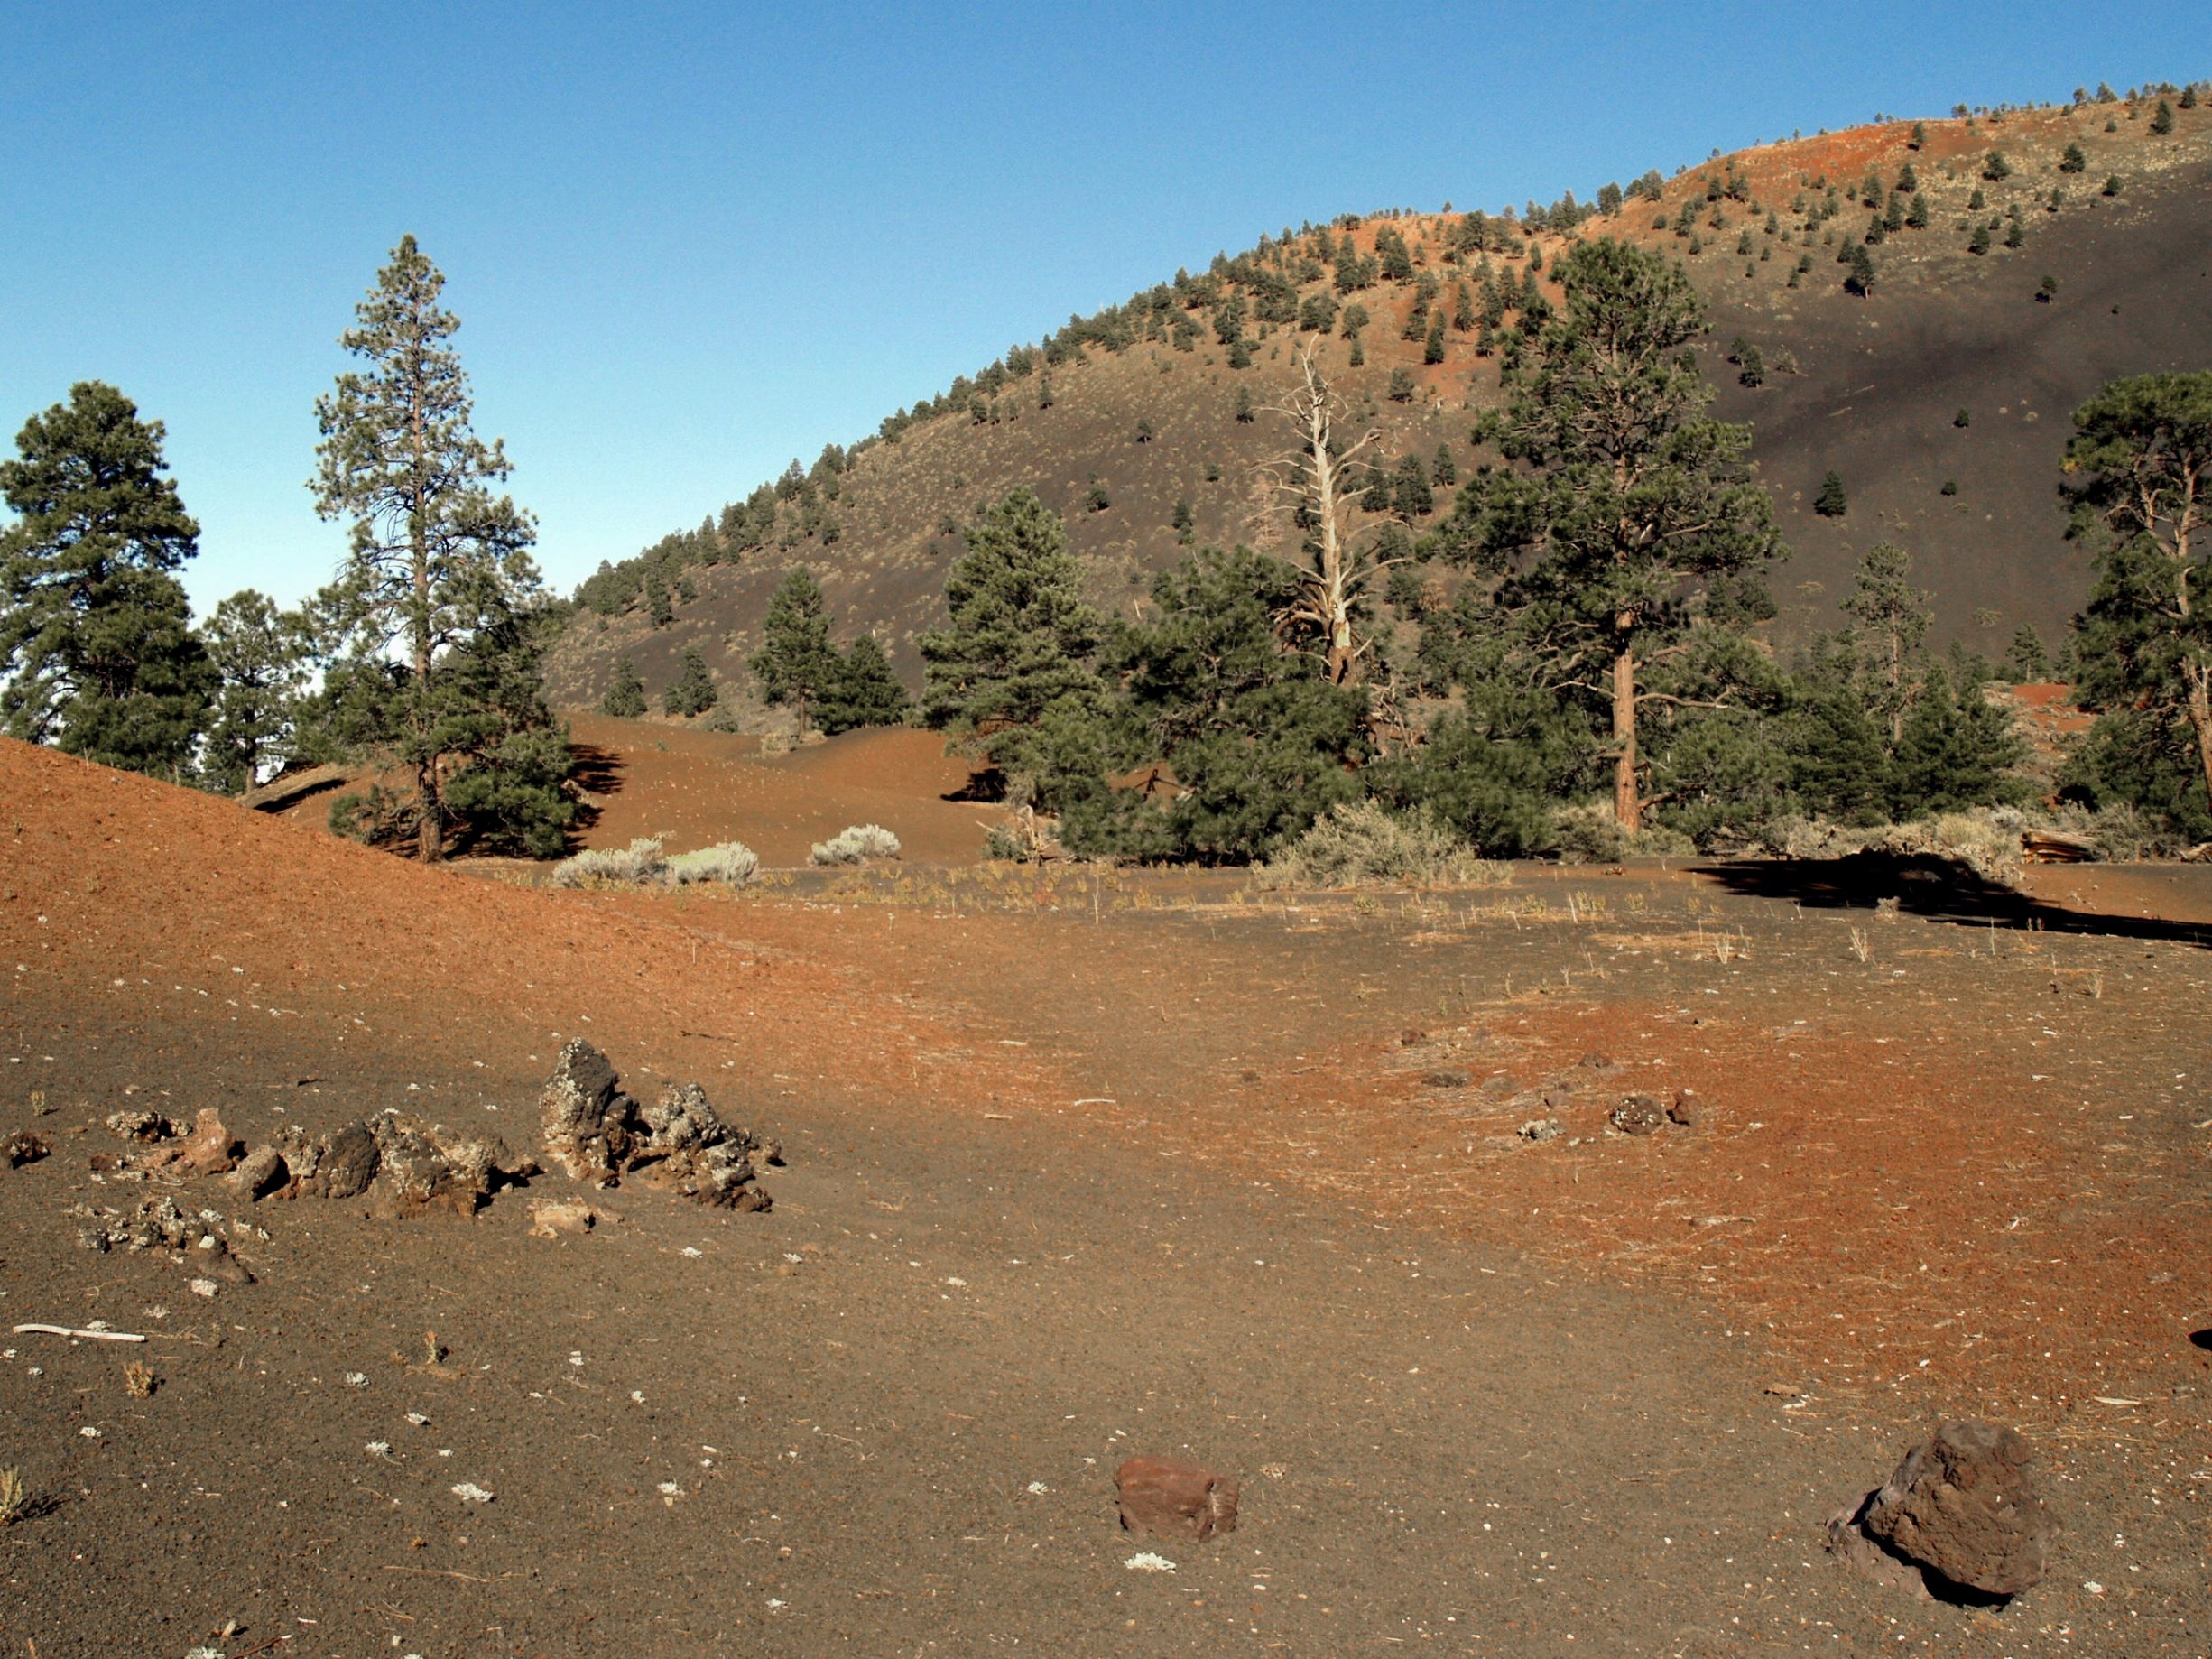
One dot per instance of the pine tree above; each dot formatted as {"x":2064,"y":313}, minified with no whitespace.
{"x":1433,"y":348}
{"x":1257,"y":738}
{"x":96,"y":640}
{"x":2140,"y":491}
{"x":1018,"y":644}
{"x":2029,"y":658}
{"x":2074,"y":160}
{"x":1956,"y":750}
{"x":796,"y":663}
{"x":2162,"y":122}
{"x":439,"y":566}
{"x":863,"y":691}
{"x":259,"y":653}
{"x":1859,"y":276}
{"x":1831,"y":501}
{"x":625,"y":699}
{"x":1893,"y":619}
{"x":1243,"y":405}
{"x":693,"y":690}
{"x":1634,"y":498}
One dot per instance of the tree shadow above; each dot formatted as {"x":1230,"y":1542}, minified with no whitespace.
{"x":985,"y":783}
{"x":1935,"y":889}
{"x":2201,"y":1339}
{"x":596,"y":773}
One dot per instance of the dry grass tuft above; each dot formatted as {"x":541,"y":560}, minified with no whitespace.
{"x":139,"y":1380}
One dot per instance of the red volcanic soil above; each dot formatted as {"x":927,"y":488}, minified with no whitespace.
{"x":1081,"y":1164}
{"x":695,"y":788}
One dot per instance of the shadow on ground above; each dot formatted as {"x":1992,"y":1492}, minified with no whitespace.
{"x":1935,"y":890}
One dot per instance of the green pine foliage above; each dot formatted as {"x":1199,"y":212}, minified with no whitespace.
{"x":2138,"y":487}
{"x":438,"y":566}
{"x":1624,"y":505}
{"x":863,"y":691}
{"x":625,"y":699}
{"x":797,"y":662}
{"x":1017,"y":649}
{"x":693,"y":691}
{"x":259,"y":654}
{"x":1831,"y":500}
{"x":1258,"y":740}
{"x":96,"y":643}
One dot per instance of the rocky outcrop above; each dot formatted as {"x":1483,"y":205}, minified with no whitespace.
{"x":595,"y":1132}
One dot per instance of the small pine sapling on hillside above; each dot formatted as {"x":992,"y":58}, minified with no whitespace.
{"x":693,"y":690}
{"x":1831,"y":501}
{"x":2073,"y":160}
{"x":2047,"y":290}
{"x":1979,"y":242}
{"x":1996,"y":168}
{"x":2112,"y":184}
{"x":2162,"y":122}
{"x":625,"y":699}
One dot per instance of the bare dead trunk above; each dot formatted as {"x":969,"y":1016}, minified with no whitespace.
{"x":1627,"y":801}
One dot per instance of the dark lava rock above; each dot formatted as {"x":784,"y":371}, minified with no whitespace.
{"x":595,"y":1132}
{"x":23,"y":1147}
{"x":1961,"y":1505}
{"x":346,"y":1164}
{"x":1169,"y":1498}
{"x":1638,"y":1115}
{"x":586,"y":1116}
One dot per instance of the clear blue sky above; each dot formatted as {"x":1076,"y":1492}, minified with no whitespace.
{"x":688,"y":243}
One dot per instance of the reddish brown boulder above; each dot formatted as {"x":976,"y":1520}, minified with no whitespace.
{"x":1169,"y":1498}
{"x":1961,"y":1505}
{"x":208,"y":1150}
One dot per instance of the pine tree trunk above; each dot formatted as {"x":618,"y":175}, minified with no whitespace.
{"x":429,"y":828}
{"x":1627,"y":802}
{"x":2200,"y":719}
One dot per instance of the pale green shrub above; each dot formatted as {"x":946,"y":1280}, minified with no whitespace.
{"x":639,"y":864}
{"x":1360,"y":842}
{"x":855,"y":844}
{"x":732,"y":863}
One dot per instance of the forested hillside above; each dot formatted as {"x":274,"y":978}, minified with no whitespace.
{"x":1934,"y":377}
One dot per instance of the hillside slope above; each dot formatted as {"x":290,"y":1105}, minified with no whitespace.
{"x":1152,"y":419}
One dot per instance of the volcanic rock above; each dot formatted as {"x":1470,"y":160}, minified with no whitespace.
{"x":1169,"y":1498}
{"x":596,"y":1133}
{"x":259,"y":1174}
{"x":1638,"y":1115}
{"x":586,"y":1115}
{"x":1961,"y":1505}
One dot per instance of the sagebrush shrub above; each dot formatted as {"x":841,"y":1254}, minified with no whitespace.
{"x":729,"y":862}
{"x":1361,"y":841}
{"x":636,"y":865}
{"x":855,"y":844}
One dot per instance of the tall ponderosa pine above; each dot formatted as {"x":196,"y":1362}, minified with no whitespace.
{"x":1019,"y":644}
{"x":439,"y":570}
{"x":2140,"y":491}
{"x":261,"y":656}
{"x":1631,"y":507}
{"x":796,"y":663}
{"x":863,"y":691}
{"x":96,"y":640}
